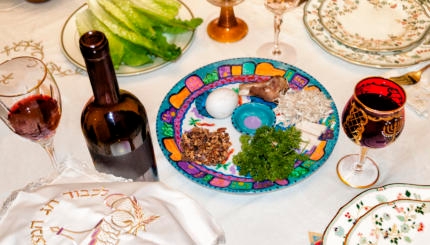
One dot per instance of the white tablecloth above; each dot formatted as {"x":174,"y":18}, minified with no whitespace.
{"x":284,"y":216}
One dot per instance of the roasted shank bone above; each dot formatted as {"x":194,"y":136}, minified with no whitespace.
{"x":268,"y":90}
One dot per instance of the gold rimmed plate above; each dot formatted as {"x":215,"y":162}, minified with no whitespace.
{"x":402,"y":221}
{"x":323,"y":38}
{"x":340,"y":227}
{"x":376,"y":26}
{"x":70,"y":44}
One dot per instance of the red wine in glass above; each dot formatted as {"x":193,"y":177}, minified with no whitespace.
{"x":30,"y":101}
{"x":373,"y":117}
{"x":35,"y":117}
{"x":377,"y":133}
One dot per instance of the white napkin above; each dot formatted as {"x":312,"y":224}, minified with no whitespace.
{"x":105,"y":213}
{"x":418,"y":95}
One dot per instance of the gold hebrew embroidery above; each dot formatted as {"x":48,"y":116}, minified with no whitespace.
{"x":37,"y":232}
{"x":86,"y":193}
{"x":47,"y":209}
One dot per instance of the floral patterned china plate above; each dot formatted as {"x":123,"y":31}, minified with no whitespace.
{"x":325,"y":40}
{"x":183,"y":109}
{"x":349,"y":215}
{"x":379,"y":26}
{"x":398,"y":222}
{"x":70,"y":44}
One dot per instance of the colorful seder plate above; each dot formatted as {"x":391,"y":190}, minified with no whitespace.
{"x":350,"y":214}
{"x":179,"y":112}
{"x":70,"y":44}
{"x":323,"y":38}
{"x":382,"y":26}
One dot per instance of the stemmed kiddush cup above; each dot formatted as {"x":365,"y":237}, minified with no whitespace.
{"x":227,"y":27}
{"x":30,"y":102}
{"x":373,"y":117}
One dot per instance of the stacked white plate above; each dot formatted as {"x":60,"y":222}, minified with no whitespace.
{"x":392,"y":214}
{"x":376,"y":33}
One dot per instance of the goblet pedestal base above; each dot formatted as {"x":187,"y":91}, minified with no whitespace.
{"x":285,"y":52}
{"x":226,"y":34}
{"x":355,"y":175}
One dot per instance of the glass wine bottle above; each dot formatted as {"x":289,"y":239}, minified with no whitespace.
{"x":114,"y":121}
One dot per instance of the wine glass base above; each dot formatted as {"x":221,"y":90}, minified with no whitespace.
{"x":287,"y":52}
{"x":347,"y":172}
{"x":224,"y":34}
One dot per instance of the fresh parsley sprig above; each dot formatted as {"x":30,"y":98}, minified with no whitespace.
{"x":270,"y":154}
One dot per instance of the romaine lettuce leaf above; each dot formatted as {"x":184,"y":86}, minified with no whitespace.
{"x":86,"y":21}
{"x":136,"y":28}
{"x":168,"y":9}
{"x":135,"y":55}
{"x":167,"y":52}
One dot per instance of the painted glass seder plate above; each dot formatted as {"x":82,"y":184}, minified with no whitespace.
{"x":324,"y":39}
{"x":182,"y":109}
{"x":342,"y":226}
{"x":70,"y":44}
{"x":378,"y":26}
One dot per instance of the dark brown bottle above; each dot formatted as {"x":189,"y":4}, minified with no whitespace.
{"x":113,"y":121}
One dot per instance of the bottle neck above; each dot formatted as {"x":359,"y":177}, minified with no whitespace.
{"x":95,"y":50}
{"x":103,"y":81}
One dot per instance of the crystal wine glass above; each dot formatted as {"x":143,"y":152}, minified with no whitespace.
{"x":276,"y":49}
{"x":7,"y":5}
{"x":373,"y":118}
{"x":30,"y":103}
{"x":227,"y":27}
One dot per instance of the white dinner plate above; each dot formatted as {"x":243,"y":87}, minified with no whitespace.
{"x":348,"y":215}
{"x":400,"y":222}
{"x":70,"y":44}
{"x":371,"y":59}
{"x":378,"y":26}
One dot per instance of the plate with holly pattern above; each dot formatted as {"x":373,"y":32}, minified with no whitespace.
{"x":350,"y":214}
{"x":402,"y":221}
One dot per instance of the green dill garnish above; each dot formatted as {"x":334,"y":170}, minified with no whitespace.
{"x":270,"y":154}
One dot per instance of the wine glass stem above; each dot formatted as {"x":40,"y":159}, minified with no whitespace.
{"x":277,"y":27}
{"x":227,"y":18}
{"x":359,"y":166}
{"x":49,"y":148}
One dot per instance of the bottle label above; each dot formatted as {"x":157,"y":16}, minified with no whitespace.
{"x":135,"y":162}
{"x":120,"y":148}
{"x":124,"y":147}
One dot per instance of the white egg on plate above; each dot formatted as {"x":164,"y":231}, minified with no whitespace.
{"x":221,"y":102}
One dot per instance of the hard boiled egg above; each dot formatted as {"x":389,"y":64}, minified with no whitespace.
{"x":221,"y":102}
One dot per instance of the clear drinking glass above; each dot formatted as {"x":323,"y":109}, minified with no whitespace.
{"x":373,"y":117}
{"x":30,"y":102}
{"x":276,"y":49}
{"x":7,"y":5}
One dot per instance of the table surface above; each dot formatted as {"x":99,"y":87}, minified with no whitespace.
{"x":282,"y":216}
